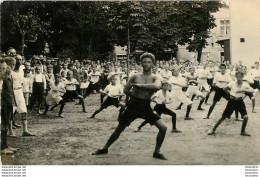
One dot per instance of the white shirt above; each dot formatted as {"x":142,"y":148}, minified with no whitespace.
{"x":160,"y":98}
{"x":56,"y":90}
{"x":94,"y":76}
{"x":221,"y":81}
{"x":177,"y":80}
{"x":40,"y":78}
{"x":112,"y":90}
{"x":248,"y":78}
{"x":27,"y":85}
{"x":234,"y":87}
{"x":166,"y":74}
{"x":255,"y":73}
{"x":203,"y":73}
{"x":71,"y":85}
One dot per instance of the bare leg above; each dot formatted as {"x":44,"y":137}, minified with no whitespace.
{"x":161,"y":135}
{"x":159,"y":139}
{"x":120,"y":128}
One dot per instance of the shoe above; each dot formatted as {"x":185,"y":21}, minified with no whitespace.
{"x":137,"y":130}
{"x":85,"y":111}
{"x":13,"y":136}
{"x":176,"y":131}
{"x":159,"y":156}
{"x":201,"y":109}
{"x":212,"y":132}
{"x":13,"y":149}
{"x":61,"y":116}
{"x":91,"y":117}
{"x":6,"y":151}
{"x":253,"y":111}
{"x":188,"y":118}
{"x":100,"y":151}
{"x":206,"y":118}
{"x":178,"y":108}
{"x":237,"y":119}
{"x":16,"y":125}
{"x":244,"y":134}
{"x":207,"y":104}
{"x":27,"y":134}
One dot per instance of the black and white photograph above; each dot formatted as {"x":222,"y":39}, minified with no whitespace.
{"x":130,"y":83}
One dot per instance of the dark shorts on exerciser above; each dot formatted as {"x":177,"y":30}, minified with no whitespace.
{"x":138,"y":108}
{"x":250,"y":95}
{"x":255,"y":85}
{"x":110,"y":102}
{"x":235,"y":104}
{"x":70,"y":94}
{"x":6,"y":116}
{"x":162,"y":109}
{"x":219,"y":93}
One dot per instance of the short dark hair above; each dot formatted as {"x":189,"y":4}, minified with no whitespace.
{"x":147,"y":55}
{"x":239,"y":71}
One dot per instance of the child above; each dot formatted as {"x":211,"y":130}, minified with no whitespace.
{"x":27,"y":87}
{"x":178,"y":82}
{"x":161,"y":98}
{"x":114,"y":91}
{"x":7,"y":103}
{"x":71,"y":90}
{"x":238,"y":89}
{"x":220,"y":81}
{"x":54,"y":96}
{"x":39,"y":87}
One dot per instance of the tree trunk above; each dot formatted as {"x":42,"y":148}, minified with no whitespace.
{"x":22,"y":44}
{"x":199,"y":55}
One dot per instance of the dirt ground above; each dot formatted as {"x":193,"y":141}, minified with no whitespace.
{"x":71,"y":140}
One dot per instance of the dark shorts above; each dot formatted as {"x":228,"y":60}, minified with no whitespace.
{"x":38,"y":91}
{"x":162,"y":109}
{"x":250,"y":95}
{"x":110,"y":102}
{"x":219,"y":93}
{"x":255,"y":85}
{"x":138,"y":108}
{"x":235,"y":105}
{"x":210,"y":81}
{"x":69,"y":95}
{"x":6,"y":116}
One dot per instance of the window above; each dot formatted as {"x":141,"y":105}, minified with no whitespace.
{"x":224,"y":27}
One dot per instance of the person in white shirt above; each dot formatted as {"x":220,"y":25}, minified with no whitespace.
{"x":203,"y":74}
{"x":39,"y":88}
{"x":166,"y":73}
{"x":54,"y":97}
{"x":220,"y":81}
{"x":113,"y":91}
{"x":94,"y":82}
{"x":255,"y":73}
{"x":250,"y":81}
{"x":161,"y":98}
{"x":71,"y":90}
{"x":177,"y":83}
{"x":27,"y":87}
{"x":237,"y":90}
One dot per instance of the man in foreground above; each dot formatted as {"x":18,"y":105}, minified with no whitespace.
{"x":140,"y":88}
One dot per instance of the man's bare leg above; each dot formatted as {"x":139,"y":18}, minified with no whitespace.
{"x":159,"y":139}
{"x":120,"y":128}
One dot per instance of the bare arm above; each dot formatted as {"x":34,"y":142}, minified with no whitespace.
{"x":153,"y":86}
{"x":226,"y":89}
{"x":129,"y":85}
